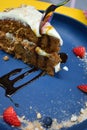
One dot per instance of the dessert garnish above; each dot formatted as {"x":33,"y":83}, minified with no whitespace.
{"x":10,"y":117}
{"x":79,"y":51}
{"x":49,"y":12}
{"x":47,"y":122}
{"x":83,"y":88}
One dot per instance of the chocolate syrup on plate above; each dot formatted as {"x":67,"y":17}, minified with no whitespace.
{"x":8,"y":84}
{"x":63,"y":56}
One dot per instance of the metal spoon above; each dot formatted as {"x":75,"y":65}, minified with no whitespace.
{"x":49,"y":12}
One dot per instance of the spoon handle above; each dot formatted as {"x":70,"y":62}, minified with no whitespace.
{"x":49,"y":12}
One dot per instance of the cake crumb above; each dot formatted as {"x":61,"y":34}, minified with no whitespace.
{"x":82,"y":111}
{"x":73,"y":118}
{"x":39,"y":116}
{"x":65,"y":68}
{"x":86,"y":104}
{"x":5,"y":58}
{"x":36,"y":125}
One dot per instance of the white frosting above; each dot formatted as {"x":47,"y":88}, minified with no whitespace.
{"x":29,"y":15}
{"x":57,"y":67}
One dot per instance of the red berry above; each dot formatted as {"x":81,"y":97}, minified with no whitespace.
{"x":10,"y":117}
{"x":79,"y":51}
{"x":83,"y":88}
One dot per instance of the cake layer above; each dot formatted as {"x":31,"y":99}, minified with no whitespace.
{"x":19,"y":35}
{"x":21,"y":41}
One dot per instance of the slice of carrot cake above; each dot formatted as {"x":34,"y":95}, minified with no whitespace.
{"x":19,"y":35}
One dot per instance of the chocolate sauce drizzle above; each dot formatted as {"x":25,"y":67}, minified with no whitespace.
{"x":8,"y":84}
{"x":63,"y":57}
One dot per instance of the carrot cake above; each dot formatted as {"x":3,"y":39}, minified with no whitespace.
{"x":19,"y":36}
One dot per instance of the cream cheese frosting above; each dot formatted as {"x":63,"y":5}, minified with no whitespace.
{"x":29,"y":15}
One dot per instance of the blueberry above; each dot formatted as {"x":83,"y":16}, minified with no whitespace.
{"x":47,"y":122}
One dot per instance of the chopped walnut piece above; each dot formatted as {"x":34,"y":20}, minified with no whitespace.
{"x":5,"y":58}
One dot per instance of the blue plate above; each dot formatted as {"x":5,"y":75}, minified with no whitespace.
{"x":58,"y":96}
